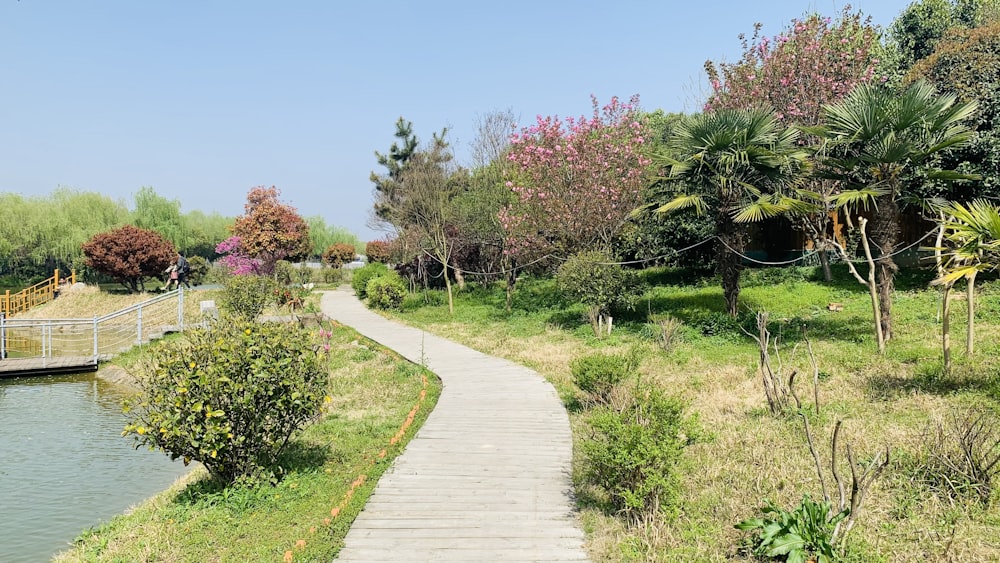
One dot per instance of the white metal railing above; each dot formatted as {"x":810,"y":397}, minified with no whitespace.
{"x":98,"y":338}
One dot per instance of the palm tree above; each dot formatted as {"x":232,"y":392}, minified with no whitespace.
{"x":974,"y":234}
{"x":879,"y":140}
{"x":739,"y":162}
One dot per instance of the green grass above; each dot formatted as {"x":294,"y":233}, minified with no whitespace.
{"x":883,"y":401}
{"x":372,"y":391}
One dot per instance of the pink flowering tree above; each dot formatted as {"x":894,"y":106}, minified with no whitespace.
{"x":235,"y":259}
{"x":816,"y":61}
{"x":576,"y":181}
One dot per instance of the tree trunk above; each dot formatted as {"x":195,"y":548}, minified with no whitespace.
{"x":459,"y":278}
{"x":824,"y":261}
{"x":885,"y":234}
{"x":511,"y":280}
{"x":447,"y":285}
{"x":946,"y":328}
{"x":970,"y":335}
{"x":730,"y":262}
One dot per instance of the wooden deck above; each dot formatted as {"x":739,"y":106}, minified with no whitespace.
{"x":14,"y":367}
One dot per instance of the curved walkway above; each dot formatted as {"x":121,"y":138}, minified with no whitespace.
{"x":487,"y":477}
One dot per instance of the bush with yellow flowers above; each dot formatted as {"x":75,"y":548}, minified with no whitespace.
{"x":229,"y":396}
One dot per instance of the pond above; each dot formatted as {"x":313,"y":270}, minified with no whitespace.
{"x":64,"y":465}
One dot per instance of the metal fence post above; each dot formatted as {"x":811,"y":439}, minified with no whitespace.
{"x":95,"y":339}
{"x":138,"y":328}
{"x":180,"y":308}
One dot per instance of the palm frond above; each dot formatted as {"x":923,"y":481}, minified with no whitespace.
{"x":683,"y":202}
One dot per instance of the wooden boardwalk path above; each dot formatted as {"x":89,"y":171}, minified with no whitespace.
{"x":487,"y":478}
{"x":14,"y":367}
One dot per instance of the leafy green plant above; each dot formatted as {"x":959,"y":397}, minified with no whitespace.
{"x":245,"y":296}
{"x":593,"y":279}
{"x":361,"y":276}
{"x":199,"y":269}
{"x":386,"y":291}
{"x":229,"y":396}
{"x":598,"y":374}
{"x":633,"y":451}
{"x":284,"y":272}
{"x":802,"y":534}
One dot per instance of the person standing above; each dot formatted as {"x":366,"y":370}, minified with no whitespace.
{"x":183,"y":269}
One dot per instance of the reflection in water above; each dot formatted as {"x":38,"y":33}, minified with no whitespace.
{"x":63,"y":463}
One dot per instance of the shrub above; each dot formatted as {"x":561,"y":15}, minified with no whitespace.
{"x":246,"y":296}
{"x":962,"y":456}
{"x":330,"y":275}
{"x":284,"y":272}
{"x":378,"y":251}
{"x":633,"y":452}
{"x":598,"y":374}
{"x":386,"y":291}
{"x":336,"y":255}
{"x":359,"y":280}
{"x":229,"y":397}
{"x":199,"y":269}
{"x":595,"y":281}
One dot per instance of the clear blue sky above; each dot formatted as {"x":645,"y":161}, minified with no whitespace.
{"x":203,"y":100}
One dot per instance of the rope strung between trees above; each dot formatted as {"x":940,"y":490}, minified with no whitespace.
{"x":678,"y":252}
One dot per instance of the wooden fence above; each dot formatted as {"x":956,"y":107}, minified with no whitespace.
{"x":42,"y":292}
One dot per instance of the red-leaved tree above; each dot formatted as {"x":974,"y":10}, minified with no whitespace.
{"x":378,"y":251}
{"x":336,"y":255}
{"x":576,"y":181}
{"x":129,"y":254}
{"x":816,"y":61}
{"x":270,"y":230}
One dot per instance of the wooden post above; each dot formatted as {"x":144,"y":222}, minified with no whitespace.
{"x":6,"y":302}
{"x":72,"y":277}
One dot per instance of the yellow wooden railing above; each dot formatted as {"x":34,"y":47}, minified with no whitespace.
{"x":42,"y":292}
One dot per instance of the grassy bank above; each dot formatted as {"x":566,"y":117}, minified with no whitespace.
{"x":332,"y":467}
{"x":748,"y":455}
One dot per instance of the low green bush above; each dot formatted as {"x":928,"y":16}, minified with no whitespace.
{"x":199,"y":268}
{"x":284,"y":272}
{"x":328,"y":275}
{"x":360,"y":277}
{"x":598,"y":374}
{"x":386,"y":291}
{"x":595,"y":280}
{"x":246,"y":296}
{"x":229,"y":396}
{"x":633,"y":452}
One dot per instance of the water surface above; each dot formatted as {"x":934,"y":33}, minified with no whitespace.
{"x":64,"y":466}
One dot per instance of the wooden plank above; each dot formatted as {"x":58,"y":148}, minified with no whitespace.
{"x":12,"y":367}
{"x":487,"y":477}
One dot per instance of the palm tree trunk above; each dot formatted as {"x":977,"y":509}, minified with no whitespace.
{"x":824,"y":261}
{"x":730,"y":264}
{"x":970,"y":336}
{"x":885,"y":234}
{"x":946,"y":328}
